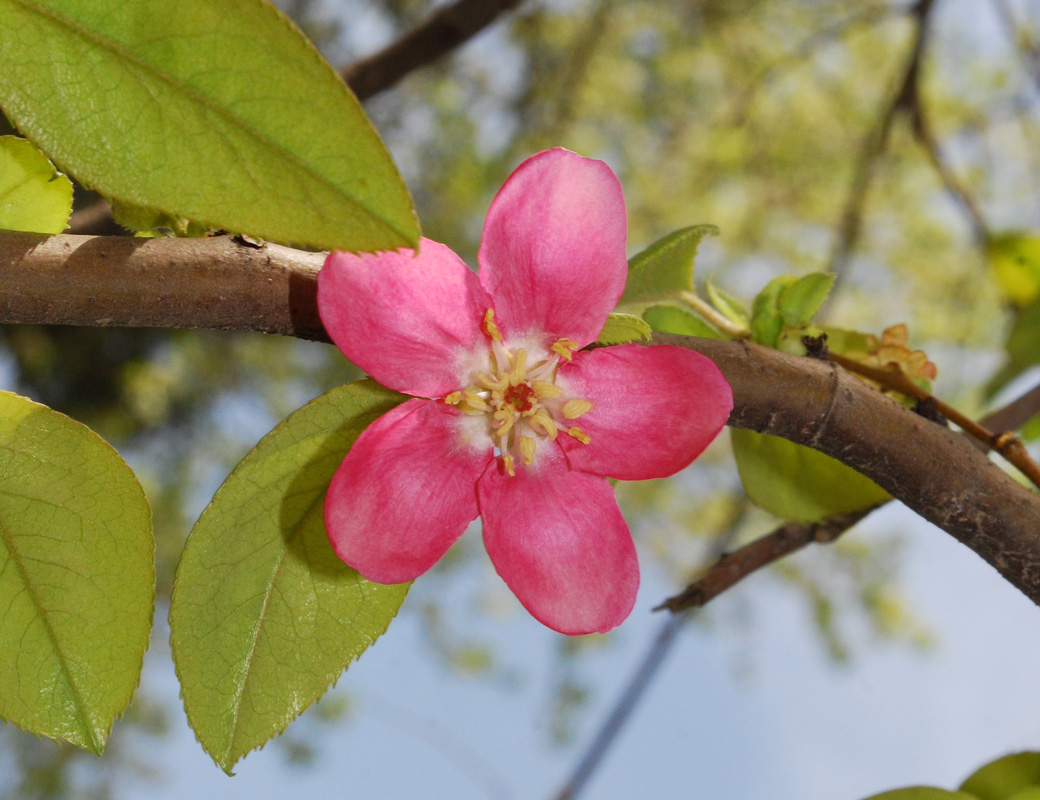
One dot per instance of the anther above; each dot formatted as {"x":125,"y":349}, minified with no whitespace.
{"x":563,"y":348}
{"x":517,"y":374}
{"x":453,"y":399}
{"x":527,"y":449}
{"x":542,"y":420}
{"x":508,"y":461}
{"x":490,"y":328}
{"x":573,"y":409}
{"x":544,"y":390}
{"x":579,"y":434}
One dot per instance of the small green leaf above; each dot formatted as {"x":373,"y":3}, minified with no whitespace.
{"x":800,"y":301}
{"x":1031,"y":430}
{"x":1014,"y":260}
{"x":729,"y":306}
{"x":1006,"y":778}
{"x":853,"y":344}
{"x":664,"y":269}
{"x":33,"y":195}
{"x":221,"y":113}
{"x":921,"y":793}
{"x":797,"y":483}
{"x":264,"y":616}
{"x":1022,"y":347}
{"x":766,"y":321}
{"x":148,"y":222}
{"x":77,"y":576}
{"x":669,"y":319}
{"x":624,"y":328}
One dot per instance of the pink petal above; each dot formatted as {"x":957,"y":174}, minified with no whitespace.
{"x":404,"y":493}
{"x":406,"y":320}
{"x":654,"y":409}
{"x":559,"y":541}
{"x":553,"y":252}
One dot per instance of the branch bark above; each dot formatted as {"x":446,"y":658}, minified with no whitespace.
{"x":226,"y":284}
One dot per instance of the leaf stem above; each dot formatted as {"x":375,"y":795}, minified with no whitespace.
{"x":714,"y":317}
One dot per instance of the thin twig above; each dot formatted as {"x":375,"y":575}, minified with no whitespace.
{"x":714,"y":317}
{"x":1004,"y":442}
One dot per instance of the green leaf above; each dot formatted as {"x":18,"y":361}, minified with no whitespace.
{"x":77,"y":576}
{"x":1014,"y":261}
{"x":147,"y":222}
{"x":797,"y":483}
{"x":729,"y":306}
{"x":1031,"y":430}
{"x":664,"y":269}
{"x":264,"y":616}
{"x":921,"y":793}
{"x":33,"y":195}
{"x":1006,"y":778}
{"x":669,"y":319}
{"x":766,"y":320}
{"x":800,"y":301}
{"x":624,"y":328}
{"x":1022,"y":346}
{"x":222,"y":113}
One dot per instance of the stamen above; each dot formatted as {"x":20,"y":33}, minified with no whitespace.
{"x":544,"y":390}
{"x":490,"y":383}
{"x":563,"y":348}
{"x":542,"y":420}
{"x":505,"y":415}
{"x":573,"y":409}
{"x":490,"y":328}
{"x":453,"y":399}
{"x":527,"y":449}
{"x":519,"y":367}
{"x":544,"y":369}
{"x":475,"y":401}
{"x":508,"y":461}
{"x":579,"y":434}
{"x":501,"y":357}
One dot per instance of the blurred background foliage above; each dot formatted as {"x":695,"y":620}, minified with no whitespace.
{"x":755,"y":116}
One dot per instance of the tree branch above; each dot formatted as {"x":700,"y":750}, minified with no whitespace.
{"x":437,"y":36}
{"x":226,"y":284}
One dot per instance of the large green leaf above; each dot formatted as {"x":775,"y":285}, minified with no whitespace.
{"x":670,"y":319}
{"x":1008,"y":778}
{"x":222,"y":113}
{"x":33,"y":195}
{"x":797,"y":483}
{"x":264,"y":616}
{"x":922,"y":793}
{"x":800,"y":301}
{"x":664,"y":269}
{"x":77,"y":576}
{"x":1014,"y":260}
{"x":624,"y":328}
{"x":1023,"y":347}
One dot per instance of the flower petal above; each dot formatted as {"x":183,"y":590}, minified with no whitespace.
{"x":559,"y":541}
{"x":405,"y":319}
{"x":404,"y":493}
{"x":654,"y":409}
{"x":553,"y":251}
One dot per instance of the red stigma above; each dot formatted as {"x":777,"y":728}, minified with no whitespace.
{"x":521,"y":396}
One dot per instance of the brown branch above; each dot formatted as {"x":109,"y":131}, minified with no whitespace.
{"x":787,"y":539}
{"x":1004,"y":442}
{"x":737,"y":565}
{"x":437,"y":36}
{"x":224,"y":284}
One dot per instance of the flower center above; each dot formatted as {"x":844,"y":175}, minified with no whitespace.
{"x":521,"y":402}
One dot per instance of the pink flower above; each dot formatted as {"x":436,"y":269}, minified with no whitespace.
{"x":524,"y":427}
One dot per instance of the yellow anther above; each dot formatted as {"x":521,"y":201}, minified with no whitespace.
{"x":563,"y":348}
{"x":506,"y":417}
{"x":493,"y":384}
{"x":490,"y":328}
{"x":573,"y":409}
{"x":508,"y":461}
{"x":519,"y":371}
{"x":579,"y":434}
{"x":453,"y":399}
{"x":475,"y":401}
{"x":541,"y":420}
{"x":544,"y":389}
{"x":527,"y":449}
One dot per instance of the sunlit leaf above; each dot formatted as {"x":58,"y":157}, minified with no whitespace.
{"x":800,"y":301}
{"x":33,"y":195}
{"x":797,"y":483}
{"x":1022,"y":347}
{"x":664,"y":269}
{"x":1014,"y":777}
{"x":921,"y":793}
{"x":222,"y":113}
{"x":727,"y":305}
{"x":77,"y":576}
{"x":1014,"y":260}
{"x":669,"y":319}
{"x":624,"y":328}
{"x":264,"y":616}
{"x":766,"y":319}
